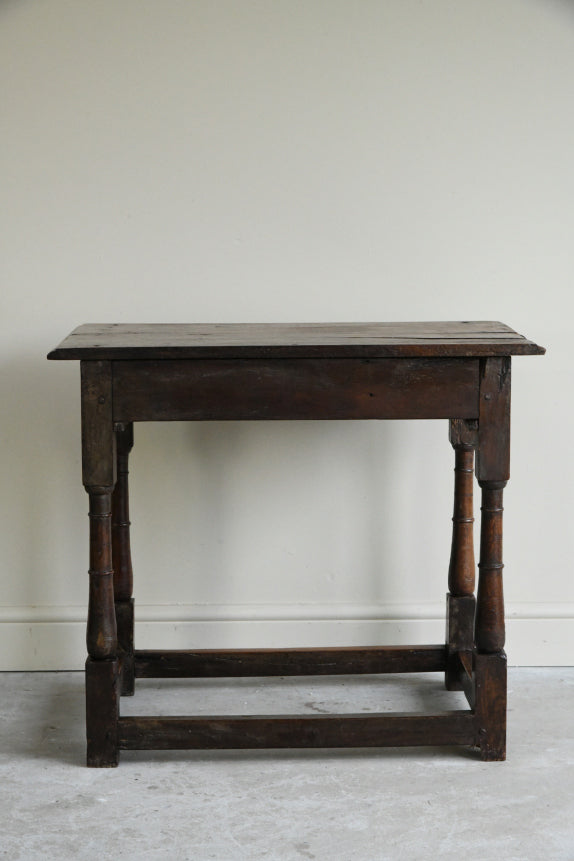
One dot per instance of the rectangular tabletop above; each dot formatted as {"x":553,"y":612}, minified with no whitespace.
{"x":126,"y":341}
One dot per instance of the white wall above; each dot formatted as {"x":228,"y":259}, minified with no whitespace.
{"x":282,"y":161}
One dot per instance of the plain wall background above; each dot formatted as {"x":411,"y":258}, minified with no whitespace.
{"x":282,"y":161}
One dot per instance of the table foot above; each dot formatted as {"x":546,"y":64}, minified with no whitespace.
{"x":102,"y":713}
{"x":490,"y":708}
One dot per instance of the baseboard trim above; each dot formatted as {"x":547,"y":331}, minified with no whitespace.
{"x":53,"y":638}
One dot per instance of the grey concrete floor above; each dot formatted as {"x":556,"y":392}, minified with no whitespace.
{"x":236,"y":806}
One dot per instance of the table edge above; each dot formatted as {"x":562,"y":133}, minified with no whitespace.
{"x":298,"y":351}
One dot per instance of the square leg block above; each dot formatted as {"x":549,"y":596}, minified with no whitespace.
{"x":102,"y":712}
{"x":125,"y":626}
{"x":490,"y":672}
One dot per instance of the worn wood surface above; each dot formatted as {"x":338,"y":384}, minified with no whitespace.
{"x":463,"y":433}
{"x":295,"y":389}
{"x":102,"y":709}
{"x":121,"y":550}
{"x":491,"y":685}
{"x":493,"y":450}
{"x":461,"y":572}
{"x":460,"y":613}
{"x":125,"y":626}
{"x":489,"y":625}
{"x":266,"y":340}
{"x":462,"y":677}
{"x":101,"y":635}
{"x":296,"y":731}
{"x":226,"y":663}
{"x":98,"y":438}
{"x":459,"y":371}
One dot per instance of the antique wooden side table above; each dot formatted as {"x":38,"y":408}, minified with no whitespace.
{"x":156,"y":372}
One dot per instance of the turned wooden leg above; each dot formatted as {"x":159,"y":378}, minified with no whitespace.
{"x":490,"y":660}
{"x":102,"y":666}
{"x":122,"y":561}
{"x":490,"y":633}
{"x":493,"y":470}
{"x":461,"y":573}
{"x":99,"y":478}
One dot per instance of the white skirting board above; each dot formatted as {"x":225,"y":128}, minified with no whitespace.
{"x":53,"y":638}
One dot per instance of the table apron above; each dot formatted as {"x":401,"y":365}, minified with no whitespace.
{"x":279,"y":389}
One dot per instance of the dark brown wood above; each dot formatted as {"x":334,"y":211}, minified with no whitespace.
{"x":462,"y":676}
{"x":101,"y":634}
{"x":489,"y":633}
{"x":461,"y":570}
{"x":295,"y":389}
{"x":490,"y":674}
{"x":292,"y":340}
{"x":460,"y":612}
{"x":98,"y":438}
{"x":463,"y":433}
{"x":460,"y":615}
{"x":296,"y":731}
{"x":121,"y":550}
{"x":493,"y":452}
{"x":459,"y":371}
{"x":102,"y":709}
{"x":122,"y":560}
{"x":461,"y":573}
{"x":466,"y":661}
{"x":227,"y":663}
{"x":125,"y":626}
